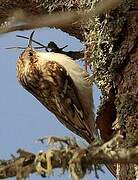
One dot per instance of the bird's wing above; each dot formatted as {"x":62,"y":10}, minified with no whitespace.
{"x":64,"y":101}
{"x":78,"y":75}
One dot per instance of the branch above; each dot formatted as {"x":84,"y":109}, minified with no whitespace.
{"x":68,"y":155}
{"x":73,"y":54}
{"x":58,"y":20}
{"x":54,"y":48}
{"x":18,"y":167}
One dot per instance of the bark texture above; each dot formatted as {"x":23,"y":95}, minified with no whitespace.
{"x":41,"y":7}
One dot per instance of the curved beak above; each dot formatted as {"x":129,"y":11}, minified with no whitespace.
{"x":30,"y":40}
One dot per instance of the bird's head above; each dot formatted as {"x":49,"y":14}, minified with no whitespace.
{"x":28,"y":54}
{"x":26,"y":60}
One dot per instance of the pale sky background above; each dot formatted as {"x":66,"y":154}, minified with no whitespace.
{"x":23,"y":119}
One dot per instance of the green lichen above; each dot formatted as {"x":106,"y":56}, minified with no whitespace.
{"x":102,"y":40}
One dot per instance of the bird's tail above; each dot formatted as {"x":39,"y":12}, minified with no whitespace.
{"x":94,"y":135}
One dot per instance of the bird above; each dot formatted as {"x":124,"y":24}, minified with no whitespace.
{"x":62,"y":86}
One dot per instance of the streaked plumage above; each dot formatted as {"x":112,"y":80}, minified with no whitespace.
{"x":61,"y":86}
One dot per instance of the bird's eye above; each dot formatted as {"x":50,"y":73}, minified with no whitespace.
{"x":30,"y":53}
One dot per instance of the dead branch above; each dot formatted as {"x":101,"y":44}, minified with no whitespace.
{"x":52,"y":47}
{"x":70,"y":156}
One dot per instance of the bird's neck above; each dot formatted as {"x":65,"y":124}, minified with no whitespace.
{"x":25,"y":71}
